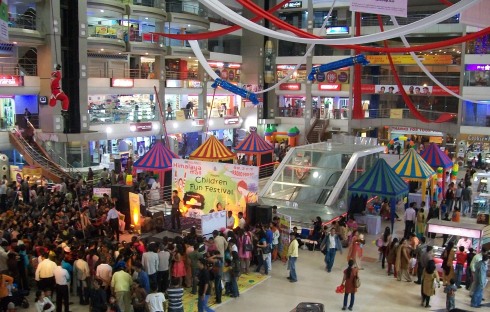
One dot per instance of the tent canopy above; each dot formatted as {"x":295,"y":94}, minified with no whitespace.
{"x":435,"y":157}
{"x":381,"y":180}
{"x":413,"y":167}
{"x":159,"y":157}
{"x":254,"y":144}
{"x":212,"y":150}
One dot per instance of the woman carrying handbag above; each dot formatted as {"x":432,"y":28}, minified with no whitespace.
{"x":350,"y":282}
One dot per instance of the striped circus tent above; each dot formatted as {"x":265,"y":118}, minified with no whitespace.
{"x":436,"y":158}
{"x":212,"y":150}
{"x":412,"y":167}
{"x":158,"y":160}
{"x":381,"y":180}
{"x":255,"y":145}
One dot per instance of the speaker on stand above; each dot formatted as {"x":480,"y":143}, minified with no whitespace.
{"x":250,"y":213}
{"x":263,"y":214}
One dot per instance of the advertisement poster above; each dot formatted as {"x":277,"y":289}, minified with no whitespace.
{"x":134,"y":208}
{"x":210,"y":185}
{"x":410,"y":90}
{"x":16,"y":173}
{"x":385,"y":7}
{"x":124,"y":159}
{"x":284,"y":230}
{"x":100,"y":191}
{"x":408,"y":59}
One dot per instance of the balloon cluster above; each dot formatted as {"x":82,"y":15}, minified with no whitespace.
{"x":358,"y":59}
{"x":237,"y":90}
{"x":435,"y":188}
{"x":440,"y":172}
{"x":401,"y":138}
{"x":454,"y":173}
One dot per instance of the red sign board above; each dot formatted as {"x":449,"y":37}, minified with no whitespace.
{"x":11,"y":81}
{"x":290,"y":86}
{"x":331,"y":77}
{"x":141,"y":126}
{"x":122,"y":83}
{"x":436,"y":90}
{"x":329,"y":87}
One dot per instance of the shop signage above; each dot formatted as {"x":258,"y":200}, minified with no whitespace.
{"x":194,"y":84}
{"x":293,"y":5}
{"x":198,"y":122}
{"x":475,"y":67}
{"x":141,"y":126}
{"x":11,"y":81}
{"x":396,"y":113}
{"x":290,"y":86}
{"x":343,"y":77}
{"x":171,"y":83}
{"x":320,"y":77}
{"x":122,"y":83}
{"x":384,"y":7}
{"x":337,"y":30}
{"x":418,"y":131}
{"x":331,"y":77}
{"x":408,"y":60}
{"x":474,"y":137}
{"x":329,"y":87}
{"x":232,"y":120}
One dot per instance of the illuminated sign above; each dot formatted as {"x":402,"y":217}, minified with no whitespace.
{"x":141,"y":126}
{"x":474,"y":67}
{"x":329,"y":87}
{"x":408,"y":60}
{"x":11,"y":81}
{"x":232,"y":120}
{"x":290,"y":86}
{"x":293,"y":5}
{"x":43,"y":100}
{"x":122,"y":83}
{"x":338,"y":30}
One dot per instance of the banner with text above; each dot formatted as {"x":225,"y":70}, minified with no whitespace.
{"x":203,"y":186}
{"x":385,"y":7}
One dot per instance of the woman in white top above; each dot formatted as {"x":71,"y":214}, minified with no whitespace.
{"x":43,"y":304}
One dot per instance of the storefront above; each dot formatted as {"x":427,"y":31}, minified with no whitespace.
{"x":417,"y":135}
{"x":102,"y":152}
{"x":121,"y":108}
{"x":470,"y":145}
{"x":13,"y":105}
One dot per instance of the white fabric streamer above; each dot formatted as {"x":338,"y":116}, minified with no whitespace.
{"x":426,"y":71}
{"x":232,"y":16}
{"x":202,"y":60}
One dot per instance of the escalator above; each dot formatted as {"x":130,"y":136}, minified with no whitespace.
{"x":35,"y":155}
{"x":331,"y":181}
{"x":28,"y":62}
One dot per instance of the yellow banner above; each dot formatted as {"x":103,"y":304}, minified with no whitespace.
{"x":32,"y":171}
{"x":396,"y":113}
{"x":134,"y":208}
{"x":179,"y":115}
{"x":408,"y":60}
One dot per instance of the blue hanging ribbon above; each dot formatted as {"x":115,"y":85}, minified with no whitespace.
{"x":358,"y":59}
{"x":236,"y":90}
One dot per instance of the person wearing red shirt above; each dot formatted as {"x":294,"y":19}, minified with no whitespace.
{"x":461,"y":256}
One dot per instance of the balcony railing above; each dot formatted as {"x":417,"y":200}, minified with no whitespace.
{"x":107,"y":72}
{"x":103,"y":114}
{"x":23,"y":21}
{"x":147,"y":3}
{"x":186,"y":7}
{"x":18,"y":70}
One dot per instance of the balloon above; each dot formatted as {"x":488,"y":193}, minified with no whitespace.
{"x":412,"y":143}
{"x":402,"y":138}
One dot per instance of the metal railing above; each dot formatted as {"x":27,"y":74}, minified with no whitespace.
{"x":18,"y":70}
{"x":22,"y":21}
{"x":406,"y":114}
{"x":181,"y":75}
{"x":147,"y":3}
{"x":72,"y":171}
{"x":104,"y":115}
{"x":111,"y":72}
{"x":185,"y":7}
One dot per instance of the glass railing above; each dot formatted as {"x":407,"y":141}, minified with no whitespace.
{"x":198,"y":113}
{"x":147,"y":3}
{"x":110,"y":72}
{"x":475,"y":114}
{"x":23,"y":21}
{"x":24,"y":69}
{"x":175,"y":75}
{"x":203,"y":44}
{"x":186,"y":7}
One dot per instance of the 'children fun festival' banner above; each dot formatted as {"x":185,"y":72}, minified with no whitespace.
{"x":203,"y":186}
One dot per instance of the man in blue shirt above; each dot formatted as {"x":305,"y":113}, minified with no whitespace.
{"x":143,"y":278}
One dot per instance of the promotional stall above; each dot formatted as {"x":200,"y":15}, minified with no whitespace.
{"x":436,"y":158}
{"x":255,"y":146}
{"x":412,"y":167}
{"x":381,"y":180}
{"x":213,"y":150}
{"x":157,"y":160}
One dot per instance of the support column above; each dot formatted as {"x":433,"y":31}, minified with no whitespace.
{"x":49,"y":117}
{"x":308,"y":84}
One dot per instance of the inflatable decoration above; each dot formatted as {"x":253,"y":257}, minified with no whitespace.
{"x":292,"y":136}
{"x":358,"y":59}
{"x":454,"y":173}
{"x":56,"y":93}
{"x":238,"y":91}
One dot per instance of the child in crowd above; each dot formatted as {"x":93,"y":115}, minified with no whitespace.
{"x":450,"y":291}
{"x":226,"y":276}
{"x":461,"y":256}
{"x":412,"y":264}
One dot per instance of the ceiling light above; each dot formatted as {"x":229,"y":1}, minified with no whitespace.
{"x":146,"y":53}
{"x":101,"y":49}
{"x":189,"y":57}
{"x":188,"y":25}
{"x":146,"y":18}
{"x":15,"y":42}
{"x":101,"y":11}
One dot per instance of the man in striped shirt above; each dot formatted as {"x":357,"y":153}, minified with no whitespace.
{"x":174,"y":296}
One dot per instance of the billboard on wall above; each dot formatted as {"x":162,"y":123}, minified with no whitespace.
{"x":385,"y":7}
{"x":203,"y":185}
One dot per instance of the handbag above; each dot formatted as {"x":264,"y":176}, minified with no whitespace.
{"x":46,"y":306}
{"x":267,"y":249}
{"x":249,"y":247}
{"x":357,"y":282}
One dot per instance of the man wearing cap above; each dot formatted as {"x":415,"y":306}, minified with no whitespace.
{"x":292,"y":257}
{"x":45,"y":273}
{"x":121,"y":286}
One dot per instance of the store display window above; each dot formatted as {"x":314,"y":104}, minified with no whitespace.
{"x":121,"y":108}
{"x":14,"y":108}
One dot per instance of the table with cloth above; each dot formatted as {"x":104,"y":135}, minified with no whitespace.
{"x":372,"y":222}
{"x":417,"y":198}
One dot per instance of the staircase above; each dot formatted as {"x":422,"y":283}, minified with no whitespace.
{"x":35,"y":155}
{"x":317,"y":131}
{"x":28,"y":62}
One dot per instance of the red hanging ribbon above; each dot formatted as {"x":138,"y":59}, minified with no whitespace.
{"x":357,"y":112}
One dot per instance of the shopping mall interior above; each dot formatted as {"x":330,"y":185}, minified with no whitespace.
{"x":96,"y":84}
